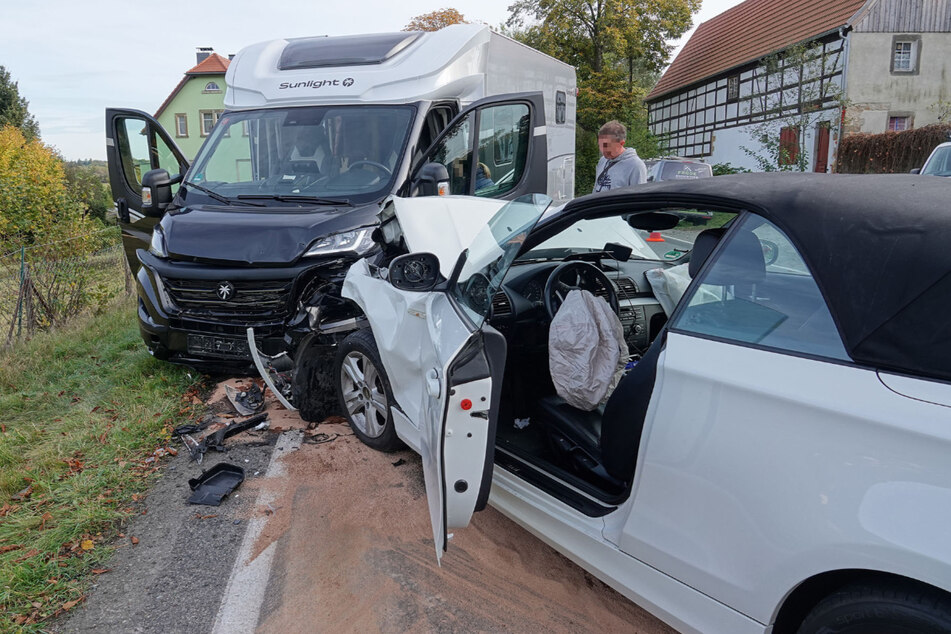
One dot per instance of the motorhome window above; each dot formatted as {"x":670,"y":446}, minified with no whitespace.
{"x":455,"y":152}
{"x":349,"y":50}
{"x":561,"y":106}
{"x":504,"y":136}
{"x":348,"y":152}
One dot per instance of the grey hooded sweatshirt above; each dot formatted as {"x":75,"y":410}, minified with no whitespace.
{"x":626,"y":169}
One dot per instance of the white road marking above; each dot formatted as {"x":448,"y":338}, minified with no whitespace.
{"x":241,"y":604}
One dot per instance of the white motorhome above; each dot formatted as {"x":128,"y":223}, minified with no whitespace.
{"x":317,"y":133}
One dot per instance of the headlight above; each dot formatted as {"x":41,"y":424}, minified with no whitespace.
{"x":358,"y":241}
{"x":157,"y":246}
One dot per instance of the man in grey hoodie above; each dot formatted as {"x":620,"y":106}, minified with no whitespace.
{"x":619,"y":166}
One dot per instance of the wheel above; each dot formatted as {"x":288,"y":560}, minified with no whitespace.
{"x":314,"y":390}
{"x":364,"y":391}
{"x":895,"y":609}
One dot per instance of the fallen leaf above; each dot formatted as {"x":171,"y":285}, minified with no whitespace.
{"x":87,"y":544}
{"x":37,"y":604}
{"x":99,"y":571}
{"x":172,"y":451}
{"x":135,"y":540}
{"x":70,"y":604}
{"x":30,"y":553}
{"x":6,"y":549}
{"x":45,"y":518}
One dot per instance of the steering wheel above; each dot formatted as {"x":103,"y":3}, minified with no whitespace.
{"x":380,"y":166}
{"x":576,"y":275}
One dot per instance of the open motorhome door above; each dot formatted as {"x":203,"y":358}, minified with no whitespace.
{"x":444,"y":362}
{"x":135,"y":144}
{"x":495,"y":148}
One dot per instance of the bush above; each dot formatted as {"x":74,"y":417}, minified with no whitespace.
{"x":889,"y":152}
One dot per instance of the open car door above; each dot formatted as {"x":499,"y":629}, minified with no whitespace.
{"x":135,"y":144}
{"x":444,"y":362}
{"x":495,"y":148}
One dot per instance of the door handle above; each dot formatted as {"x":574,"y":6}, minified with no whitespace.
{"x":432,"y":383}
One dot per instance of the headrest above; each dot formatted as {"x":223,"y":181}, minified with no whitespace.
{"x":703,"y":246}
{"x":740,"y":262}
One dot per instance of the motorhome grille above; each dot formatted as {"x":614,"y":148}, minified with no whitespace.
{"x":626,"y":288}
{"x":254,"y":299}
{"x":501,"y":306}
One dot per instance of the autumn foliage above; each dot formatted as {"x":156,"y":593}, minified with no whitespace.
{"x":35,"y":203}
{"x":889,"y":152}
{"x":435,"y":20}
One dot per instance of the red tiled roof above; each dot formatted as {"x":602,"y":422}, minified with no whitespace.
{"x":214,"y":64}
{"x":748,"y":32}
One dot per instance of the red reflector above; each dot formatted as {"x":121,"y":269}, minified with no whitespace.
{"x":466,"y":404}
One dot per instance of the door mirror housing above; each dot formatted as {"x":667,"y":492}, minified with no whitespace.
{"x":157,"y":191}
{"x":417,"y":272}
{"x":432,"y":180}
{"x":915,"y":170}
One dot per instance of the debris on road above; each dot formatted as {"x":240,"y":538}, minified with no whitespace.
{"x":213,"y":485}
{"x":222,"y":430}
{"x":246,"y":402}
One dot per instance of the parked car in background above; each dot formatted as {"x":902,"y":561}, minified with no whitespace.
{"x":938,"y":163}
{"x":775,"y":456}
{"x":674,"y":168}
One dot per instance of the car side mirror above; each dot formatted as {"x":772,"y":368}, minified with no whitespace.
{"x":157,"y":191}
{"x":915,"y":170}
{"x":414,"y":272}
{"x":432,"y":180}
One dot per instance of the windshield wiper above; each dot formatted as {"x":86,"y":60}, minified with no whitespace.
{"x":292,"y":198}
{"x":215,"y":195}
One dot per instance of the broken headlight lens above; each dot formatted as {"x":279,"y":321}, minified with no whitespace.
{"x":357,"y":241}
{"x":157,"y":246}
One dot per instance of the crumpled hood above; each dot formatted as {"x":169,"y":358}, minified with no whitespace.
{"x":276,"y":236}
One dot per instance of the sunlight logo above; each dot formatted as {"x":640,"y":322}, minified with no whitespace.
{"x":315,"y":83}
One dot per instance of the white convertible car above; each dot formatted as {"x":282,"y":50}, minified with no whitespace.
{"x":773,"y":455}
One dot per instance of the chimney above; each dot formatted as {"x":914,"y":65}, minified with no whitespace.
{"x":230,"y":56}
{"x":203,"y":53}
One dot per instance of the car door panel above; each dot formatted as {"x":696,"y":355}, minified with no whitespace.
{"x":734,"y":434}
{"x":135,"y":144}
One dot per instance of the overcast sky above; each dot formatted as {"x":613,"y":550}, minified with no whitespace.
{"x":73,"y":59}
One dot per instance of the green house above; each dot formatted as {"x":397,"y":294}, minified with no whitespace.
{"x":192,"y":109}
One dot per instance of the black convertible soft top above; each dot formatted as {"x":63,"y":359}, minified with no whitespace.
{"x":877,"y":245}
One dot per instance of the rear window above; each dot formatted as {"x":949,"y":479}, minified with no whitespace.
{"x":672,"y":171}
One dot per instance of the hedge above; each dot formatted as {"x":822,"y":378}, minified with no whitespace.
{"x":889,"y":152}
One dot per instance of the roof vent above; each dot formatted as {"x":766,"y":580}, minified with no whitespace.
{"x":347,"y":50}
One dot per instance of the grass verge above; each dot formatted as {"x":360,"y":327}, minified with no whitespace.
{"x":85,"y":414}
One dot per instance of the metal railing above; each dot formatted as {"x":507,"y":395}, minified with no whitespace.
{"x":43,"y":286}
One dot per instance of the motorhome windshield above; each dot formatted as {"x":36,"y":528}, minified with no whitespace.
{"x":302,"y":155}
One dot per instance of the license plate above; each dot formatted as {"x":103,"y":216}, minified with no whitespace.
{"x":212,"y":346}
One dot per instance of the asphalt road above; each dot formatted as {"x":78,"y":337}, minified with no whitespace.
{"x":327,"y":535}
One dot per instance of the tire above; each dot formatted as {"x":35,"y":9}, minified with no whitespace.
{"x":315,"y":393}
{"x":893,"y":609}
{"x":364,"y":392}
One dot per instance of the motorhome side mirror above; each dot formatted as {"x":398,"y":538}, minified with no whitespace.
{"x":432,"y":180}
{"x":157,"y":191}
{"x":915,"y":170}
{"x":414,"y":272}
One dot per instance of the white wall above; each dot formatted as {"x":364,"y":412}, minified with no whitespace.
{"x":728,"y":144}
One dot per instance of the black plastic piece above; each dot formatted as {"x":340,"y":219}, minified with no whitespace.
{"x":213,"y":485}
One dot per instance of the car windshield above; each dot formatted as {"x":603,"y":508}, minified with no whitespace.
{"x":303,"y":155}
{"x":939,"y":163}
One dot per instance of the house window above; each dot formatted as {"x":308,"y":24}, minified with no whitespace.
{"x":906,"y":54}
{"x":212,"y":87}
{"x":788,"y":145}
{"x":897,"y":124}
{"x":208,"y":120}
{"x":733,"y":88}
{"x":181,"y":125}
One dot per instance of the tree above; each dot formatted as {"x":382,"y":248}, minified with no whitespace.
{"x":800,"y":89}
{"x":86,"y":187}
{"x":14,"y":109}
{"x":618,"y":48}
{"x":35,"y":204}
{"x":435,"y":20}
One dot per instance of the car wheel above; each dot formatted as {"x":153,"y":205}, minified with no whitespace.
{"x":896,"y":609}
{"x":364,"y":391}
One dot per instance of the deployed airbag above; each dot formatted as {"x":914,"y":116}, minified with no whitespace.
{"x":586,"y":350}
{"x":669,"y":285}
